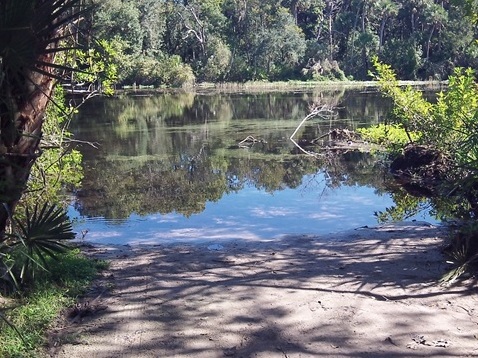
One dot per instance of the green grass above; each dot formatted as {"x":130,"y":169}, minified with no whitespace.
{"x":36,"y":308}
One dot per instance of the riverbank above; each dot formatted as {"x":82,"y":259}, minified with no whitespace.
{"x":266,"y":86}
{"x":369,"y":292}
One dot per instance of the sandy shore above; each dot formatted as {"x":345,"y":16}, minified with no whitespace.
{"x":370,"y":292}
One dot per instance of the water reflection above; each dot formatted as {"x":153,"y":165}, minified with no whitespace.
{"x":169,"y":167}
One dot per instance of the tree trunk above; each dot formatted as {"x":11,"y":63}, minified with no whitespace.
{"x":331,"y":38}
{"x":382,"y":34}
{"x":31,"y":31}
{"x":429,"y":41}
{"x":21,"y":134}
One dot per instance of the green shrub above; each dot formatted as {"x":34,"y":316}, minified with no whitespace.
{"x":392,"y":136}
{"x":160,"y":71}
{"x":450,"y":125}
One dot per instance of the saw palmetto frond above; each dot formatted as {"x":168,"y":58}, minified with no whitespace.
{"x":31,"y":31}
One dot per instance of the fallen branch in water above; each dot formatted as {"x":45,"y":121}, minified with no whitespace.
{"x":324,"y":112}
{"x":250,"y":139}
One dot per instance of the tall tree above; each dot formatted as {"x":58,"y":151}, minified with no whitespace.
{"x":436,"y":17}
{"x":121,"y":20}
{"x":387,"y":9}
{"x":30,"y":35}
{"x":265,"y":42}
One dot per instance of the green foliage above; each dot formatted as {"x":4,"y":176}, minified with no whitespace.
{"x":35,"y":310}
{"x":119,"y":19}
{"x":470,"y":8}
{"x":97,"y":65}
{"x":410,"y":109}
{"x":323,"y":71}
{"x":404,"y":55}
{"x":450,"y":124}
{"x":217,"y":64}
{"x":456,"y":119}
{"x":59,"y":166}
{"x":362,"y":45}
{"x":392,"y":136}
{"x":267,"y":40}
{"x":165,"y":71}
{"x":44,"y":233}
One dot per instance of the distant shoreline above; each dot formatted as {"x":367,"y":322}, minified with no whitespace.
{"x":263,"y":86}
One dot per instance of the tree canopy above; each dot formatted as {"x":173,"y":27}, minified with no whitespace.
{"x":227,"y":40}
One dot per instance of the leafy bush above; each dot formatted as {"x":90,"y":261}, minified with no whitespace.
{"x":323,"y":71}
{"x":392,"y":136}
{"x":162,"y":71}
{"x":176,"y":73}
{"x":217,"y":64}
{"x":59,"y":166}
{"x":450,"y":125}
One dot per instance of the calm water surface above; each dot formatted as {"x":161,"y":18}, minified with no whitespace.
{"x":169,"y":168}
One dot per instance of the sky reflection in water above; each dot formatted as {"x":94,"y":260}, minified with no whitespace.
{"x":250,"y":214}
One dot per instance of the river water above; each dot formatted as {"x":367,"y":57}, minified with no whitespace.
{"x":170,"y":168}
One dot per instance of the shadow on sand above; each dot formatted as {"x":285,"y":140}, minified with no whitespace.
{"x":366,"y":293}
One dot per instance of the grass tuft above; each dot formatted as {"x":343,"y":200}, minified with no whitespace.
{"x":34,"y":310}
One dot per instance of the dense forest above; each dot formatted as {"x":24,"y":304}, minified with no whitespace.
{"x":177,"y":43}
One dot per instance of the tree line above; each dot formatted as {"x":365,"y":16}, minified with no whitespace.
{"x":176,"y":43}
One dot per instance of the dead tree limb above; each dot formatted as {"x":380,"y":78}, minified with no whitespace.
{"x":251,"y":139}
{"x":323,"y":112}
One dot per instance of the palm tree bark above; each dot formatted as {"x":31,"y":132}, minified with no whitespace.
{"x":20,"y":137}
{"x":30,"y":32}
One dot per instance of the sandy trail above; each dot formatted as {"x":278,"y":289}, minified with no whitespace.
{"x":365,"y":293}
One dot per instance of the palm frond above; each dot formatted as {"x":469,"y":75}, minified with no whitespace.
{"x":8,"y":275}
{"x":48,"y":225}
{"x":30,"y":30}
{"x":60,"y":67}
{"x":43,"y":233}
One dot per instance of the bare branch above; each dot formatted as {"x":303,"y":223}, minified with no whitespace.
{"x":323,"y":112}
{"x":198,"y":34}
{"x":195,"y":17}
{"x":250,"y":139}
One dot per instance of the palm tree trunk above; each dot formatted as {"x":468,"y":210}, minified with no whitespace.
{"x":30,"y":32}
{"x":21,"y":121}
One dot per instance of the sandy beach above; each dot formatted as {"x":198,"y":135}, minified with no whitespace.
{"x":369,"y":292}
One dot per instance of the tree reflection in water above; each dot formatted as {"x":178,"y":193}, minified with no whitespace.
{"x":176,"y":154}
